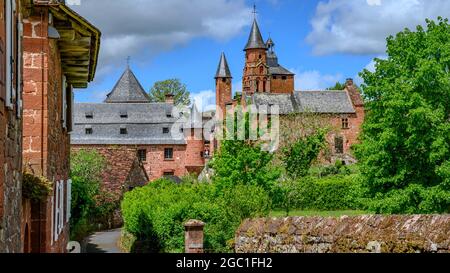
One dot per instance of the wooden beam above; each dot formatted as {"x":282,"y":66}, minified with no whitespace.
{"x":67,"y":34}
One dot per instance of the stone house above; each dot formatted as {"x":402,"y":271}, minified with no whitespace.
{"x":11,"y":233}
{"x":60,"y":52}
{"x":166,"y":138}
{"x":266,"y":83}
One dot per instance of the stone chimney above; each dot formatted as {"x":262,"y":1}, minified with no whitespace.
{"x":354,"y":93}
{"x":349,"y":82}
{"x":193,"y":236}
{"x":170,"y":98}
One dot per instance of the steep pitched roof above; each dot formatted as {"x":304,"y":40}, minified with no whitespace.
{"x":223,"y":71}
{"x":255,"y":39}
{"x":127,"y":90}
{"x":144,"y":123}
{"x":323,"y":102}
{"x":336,"y":102}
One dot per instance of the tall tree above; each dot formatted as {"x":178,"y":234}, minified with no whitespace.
{"x":338,"y":86}
{"x":405,"y":150}
{"x":171,"y":86}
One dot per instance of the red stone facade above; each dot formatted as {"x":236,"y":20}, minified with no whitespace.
{"x":256,"y":77}
{"x":11,"y":235}
{"x":123,"y":169}
{"x":186,"y":159}
{"x":45,"y":142}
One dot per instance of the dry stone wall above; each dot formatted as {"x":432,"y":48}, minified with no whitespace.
{"x":368,"y":233}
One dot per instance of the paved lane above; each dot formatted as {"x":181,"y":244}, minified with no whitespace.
{"x":104,"y":242}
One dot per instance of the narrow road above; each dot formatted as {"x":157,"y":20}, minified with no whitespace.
{"x":104,"y":242}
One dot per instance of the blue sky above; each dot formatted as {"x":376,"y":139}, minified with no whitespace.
{"x":321,"y":41}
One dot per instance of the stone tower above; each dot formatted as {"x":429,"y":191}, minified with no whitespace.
{"x":223,"y":85}
{"x":256,"y":72}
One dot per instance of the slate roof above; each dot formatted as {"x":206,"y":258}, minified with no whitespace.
{"x":127,"y":90}
{"x":255,"y":39}
{"x":223,"y":70}
{"x":324,"y":102}
{"x":279,"y":70}
{"x":144,"y":123}
{"x":272,"y":61}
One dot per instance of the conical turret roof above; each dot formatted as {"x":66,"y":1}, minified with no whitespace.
{"x":127,"y":90}
{"x":255,"y":39}
{"x":223,"y":71}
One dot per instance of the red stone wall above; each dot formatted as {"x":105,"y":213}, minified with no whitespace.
{"x":46,"y":143}
{"x":255,"y":69}
{"x":119,"y":164}
{"x":194,"y":150}
{"x":156,"y":165}
{"x":280,"y":86}
{"x":223,"y":95}
{"x":10,"y":159}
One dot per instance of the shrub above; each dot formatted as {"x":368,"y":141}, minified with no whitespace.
{"x":155,"y":214}
{"x":339,"y":192}
{"x":85,"y":170}
{"x":36,"y":188}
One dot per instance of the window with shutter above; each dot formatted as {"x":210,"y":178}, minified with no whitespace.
{"x":57,"y":213}
{"x":69,"y":200}
{"x":64,"y":102}
{"x":19,"y":66}
{"x":9,"y":16}
{"x":61,"y":207}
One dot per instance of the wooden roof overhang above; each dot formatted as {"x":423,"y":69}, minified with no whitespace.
{"x":79,"y":45}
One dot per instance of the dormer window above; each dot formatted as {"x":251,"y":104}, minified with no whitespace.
{"x":89,"y":115}
{"x":123,"y":114}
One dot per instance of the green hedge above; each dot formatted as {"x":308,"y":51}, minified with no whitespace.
{"x":155,"y":213}
{"x":339,"y":192}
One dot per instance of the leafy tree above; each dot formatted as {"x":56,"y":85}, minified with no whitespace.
{"x":405,"y":149}
{"x":85,"y":170}
{"x":171,"y":86}
{"x":243,"y":162}
{"x":337,"y":86}
{"x":298,"y":157}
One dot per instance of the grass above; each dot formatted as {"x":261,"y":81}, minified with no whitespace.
{"x":334,"y":213}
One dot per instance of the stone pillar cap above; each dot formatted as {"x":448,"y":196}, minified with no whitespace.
{"x":194,"y":223}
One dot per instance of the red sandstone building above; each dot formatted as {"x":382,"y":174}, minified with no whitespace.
{"x":167,"y":140}
{"x":11,"y":233}
{"x":266,"y":83}
{"x":60,"y":52}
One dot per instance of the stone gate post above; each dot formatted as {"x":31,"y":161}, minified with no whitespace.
{"x":193,"y":236}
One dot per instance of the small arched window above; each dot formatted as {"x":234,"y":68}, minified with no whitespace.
{"x":261,"y":69}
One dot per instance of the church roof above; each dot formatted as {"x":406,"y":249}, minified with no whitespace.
{"x":323,"y":102}
{"x":255,"y":39}
{"x":223,"y":71}
{"x":127,"y":90}
{"x":279,"y":70}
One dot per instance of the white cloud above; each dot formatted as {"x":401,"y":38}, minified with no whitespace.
{"x":371,"y":67}
{"x":374,"y":2}
{"x":356,"y":27}
{"x":314,"y":80}
{"x":143,"y":28}
{"x":205,"y":100}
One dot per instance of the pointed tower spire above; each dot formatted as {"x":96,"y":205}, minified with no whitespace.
{"x":127,"y":90}
{"x":223,"y":71}
{"x":255,"y":39}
